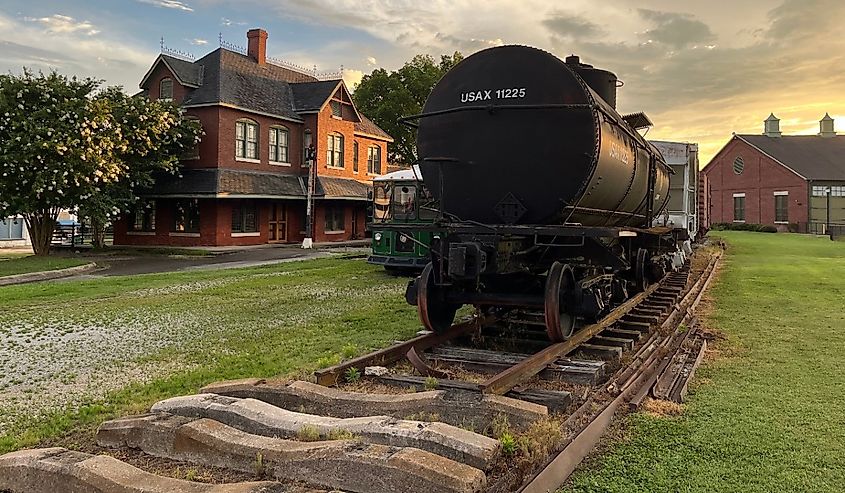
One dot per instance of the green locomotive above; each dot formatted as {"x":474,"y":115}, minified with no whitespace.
{"x":401,"y":198}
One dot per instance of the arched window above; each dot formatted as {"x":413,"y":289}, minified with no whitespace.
{"x":334,"y":150}
{"x":279,"y":145}
{"x":246,"y":139}
{"x":165,"y":89}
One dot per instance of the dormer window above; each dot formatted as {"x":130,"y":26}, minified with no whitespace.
{"x":165,"y":89}
{"x":246,"y":139}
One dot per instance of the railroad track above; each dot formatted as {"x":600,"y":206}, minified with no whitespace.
{"x":372,"y":435}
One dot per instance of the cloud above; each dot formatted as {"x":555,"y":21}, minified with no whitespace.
{"x":169,"y":4}
{"x":675,"y":29}
{"x":229,"y":22}
{"x":58,"y":23}
{"x":198,"y":41}
{"x":71,"y":51}
{"x":572,"y":26}
{"x":371,"y":61}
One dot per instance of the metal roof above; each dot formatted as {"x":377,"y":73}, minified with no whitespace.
{"x":413,"y":173}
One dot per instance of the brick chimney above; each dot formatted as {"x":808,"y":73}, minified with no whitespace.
{"x":826,"y":126}
{"x":257,"y":47}
{"x":771,"y":126}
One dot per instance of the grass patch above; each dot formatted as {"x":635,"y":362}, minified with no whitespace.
{"x":767,"y":415}
{"x":280,"y":320}
{"x":11,"y":265}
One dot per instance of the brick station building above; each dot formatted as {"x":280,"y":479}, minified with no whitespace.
{"x":247,"y":181}
{"x":793,"y":182}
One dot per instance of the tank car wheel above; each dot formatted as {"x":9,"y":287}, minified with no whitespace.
{"x":559,"y":284}
{"x":640,"y":274}
{"x":435,"y":314}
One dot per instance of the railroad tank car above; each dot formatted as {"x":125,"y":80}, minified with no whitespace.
{"x":546,"y":194}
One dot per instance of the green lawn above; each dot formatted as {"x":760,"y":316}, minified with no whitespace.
{"x":184,"y":329}
{"x":23,"y":264}
{"x":768,"y":414}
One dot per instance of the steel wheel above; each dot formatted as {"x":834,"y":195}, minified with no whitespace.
{"x":640,"y":276}
{"x":559,"y":284}
{"x":435,"y":314}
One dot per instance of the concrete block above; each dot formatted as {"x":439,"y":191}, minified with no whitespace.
{"x":260,"y":418}
{"x":349,"y":465}
{"x":450,"y":407}
{"x":58,"y":470}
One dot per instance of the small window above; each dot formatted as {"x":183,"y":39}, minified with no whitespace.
{"x":355,"y":156}
{"x":186,"y":216}
{"x":245,"y":218}
{"x":739,"y":209}
{"x":381,"y":201}
{"x":334,"y":151}
{"x":819,"y":191}
{"x":739,"y":165}
{"x":335,"y":220}
{"x":279,"y":145}
{"x":246,"y":139}
{"x":374,"y":160}
{"x":781,"y":208}
{"x":165,"y":89}
{"x":307,"y":142}
{"x":143,"y":217}
{"x":837,"y":191}
{"x":11,"y":228}
{"x":337,"y":109}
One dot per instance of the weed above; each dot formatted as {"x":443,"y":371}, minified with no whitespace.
{"x":338,"y":434}
{"x":327,"y":361}
{"x":352,"y":375}
{"x":258,"y":466}
{"x":499,"y":426}
{"x":191,"y":474}
{"x":308,"y":433}
{"x":430,"y":383}
{"x":509,"y":444}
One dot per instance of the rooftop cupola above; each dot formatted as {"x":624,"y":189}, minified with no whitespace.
{"x":771,"y":126}
{"x":826,"y":126}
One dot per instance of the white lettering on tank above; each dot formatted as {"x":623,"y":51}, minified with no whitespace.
{"x":490,"y":94}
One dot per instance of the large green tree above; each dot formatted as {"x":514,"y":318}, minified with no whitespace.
{"x":62,"y":144}
{"x":387,"y":96}
{"x":155,"y":137}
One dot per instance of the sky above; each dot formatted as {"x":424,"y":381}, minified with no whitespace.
{"x":700,"y":69}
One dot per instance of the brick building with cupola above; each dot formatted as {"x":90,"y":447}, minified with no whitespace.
{"x":247,"y":181}
{"x":793,"y":182}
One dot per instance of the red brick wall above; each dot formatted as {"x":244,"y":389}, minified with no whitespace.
{"x":225,"y":138}
{"x":760,"y":178}
{"x":351,"y":210}
{"x":328,"y":124}
{"x":154,"y":82}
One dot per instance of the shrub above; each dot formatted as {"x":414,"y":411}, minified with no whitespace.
{"x":760,"y":228}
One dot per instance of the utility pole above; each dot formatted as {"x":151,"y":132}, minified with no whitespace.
{"x":311,"y":159}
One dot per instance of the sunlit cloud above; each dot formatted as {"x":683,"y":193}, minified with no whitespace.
{"x":169,"y":4}
{"x":198,"y":42}
{"x":58,"y":23}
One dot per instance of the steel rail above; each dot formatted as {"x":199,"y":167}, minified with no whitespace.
{"x":574,"y":450}
{"x":331,"y":375}
{"x":513,"y":376}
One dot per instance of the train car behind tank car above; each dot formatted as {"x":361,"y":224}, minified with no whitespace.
{"x":547,"y":195}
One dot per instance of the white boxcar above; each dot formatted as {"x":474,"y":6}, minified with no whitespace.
{"x":682,"y":211}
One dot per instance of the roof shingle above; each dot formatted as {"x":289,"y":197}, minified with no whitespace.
{"x":811,"y":156}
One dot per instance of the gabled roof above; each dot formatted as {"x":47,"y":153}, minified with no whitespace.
{"x":186,"y":73}
{"x":310,"y":96}
{"x":810,"y":156}
{"x":227,"y":78}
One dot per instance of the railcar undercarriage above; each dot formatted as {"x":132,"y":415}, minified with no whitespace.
{"x":555,"y":276}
